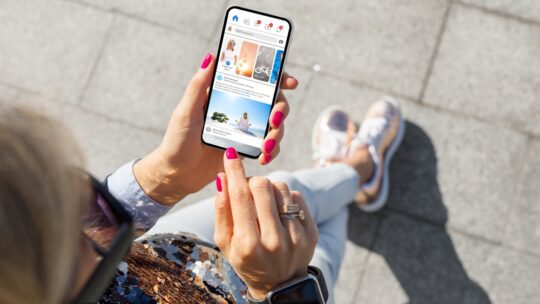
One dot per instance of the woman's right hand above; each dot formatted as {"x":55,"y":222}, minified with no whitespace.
{"x":264,"y":250}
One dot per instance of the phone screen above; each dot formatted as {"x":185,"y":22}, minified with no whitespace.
{"x":246,"y":80}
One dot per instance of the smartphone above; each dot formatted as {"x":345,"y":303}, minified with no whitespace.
{"x":252,"y":51}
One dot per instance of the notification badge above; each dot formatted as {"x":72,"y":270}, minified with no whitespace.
{"x":279,"y":28}
{"x":269,"y":26}
{"x":258,"y":22}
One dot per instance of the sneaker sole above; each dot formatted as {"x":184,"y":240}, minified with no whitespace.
{"x":380,"y":201}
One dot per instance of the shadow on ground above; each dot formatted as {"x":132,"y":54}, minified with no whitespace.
{"x":410,"y":234}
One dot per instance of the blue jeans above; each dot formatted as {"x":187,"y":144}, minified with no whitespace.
{"x":327,"y":192}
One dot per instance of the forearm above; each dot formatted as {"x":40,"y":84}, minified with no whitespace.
{"x":123,"y":185}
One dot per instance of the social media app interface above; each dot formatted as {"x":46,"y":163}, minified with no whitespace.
{"x":248,"y":66}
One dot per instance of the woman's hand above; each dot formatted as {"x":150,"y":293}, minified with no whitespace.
{"x":263,"y":249}
{"x":182,"y":164}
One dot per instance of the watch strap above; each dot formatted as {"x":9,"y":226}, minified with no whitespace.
{"x":315,"y":271}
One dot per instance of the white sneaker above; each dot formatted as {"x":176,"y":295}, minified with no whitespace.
{"x":335,"y":137}
{"x":382,"y":131}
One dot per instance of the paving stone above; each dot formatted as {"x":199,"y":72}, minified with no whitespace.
{"x":414,"y":262}
{"x":7,"y":93}
{"x":475,"y":164}
{"x":192,"y":17}
{"x":516,"y":279}
{"x":50,"y":47}
{"x":143,"y":73}
{"x":528,"y":9}
{"x":384,"y":43}
{"x":524,"y":227}
{"x":488,"y":67}
{"x":106,"y":144}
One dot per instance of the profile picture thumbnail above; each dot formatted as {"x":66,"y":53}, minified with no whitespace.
{"x":246,"y":59}
{"x":229,"y":56}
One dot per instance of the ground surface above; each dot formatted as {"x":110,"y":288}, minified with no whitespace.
{"x":462,"y":222}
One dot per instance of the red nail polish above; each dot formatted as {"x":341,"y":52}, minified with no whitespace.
{"x":231,"y":153}
{"x":278,"y":118}
{"x":269,"y":145}
{"x":206,"y":61}
{"x":218,"y":184}
{"x":267,"y":158}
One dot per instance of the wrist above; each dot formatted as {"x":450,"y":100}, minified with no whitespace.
{"x":159,"y":179}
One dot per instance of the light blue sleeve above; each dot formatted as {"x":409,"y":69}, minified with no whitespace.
{"x":125,"y":188}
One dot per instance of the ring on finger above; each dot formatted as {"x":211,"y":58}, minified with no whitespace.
{"x":293,"y":215}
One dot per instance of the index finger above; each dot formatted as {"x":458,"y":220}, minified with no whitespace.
{"x":242,"y":206}
{"x":288,"y":82}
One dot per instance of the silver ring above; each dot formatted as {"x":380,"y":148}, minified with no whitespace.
{"x":287,"y":208}
{"x":292,"y":215}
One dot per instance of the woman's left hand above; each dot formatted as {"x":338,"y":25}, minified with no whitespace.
{"x":182,"y":164}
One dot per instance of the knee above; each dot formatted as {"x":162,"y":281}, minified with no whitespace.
{"x":286,"y":177}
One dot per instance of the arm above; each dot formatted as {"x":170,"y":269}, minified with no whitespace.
{"x":125,"y":188}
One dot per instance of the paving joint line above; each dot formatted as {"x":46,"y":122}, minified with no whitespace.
{"x":104,"y":45}
{"x":499,"y":13}
{"x":435,"y":224}
{"x":435,"y":53}
{"x":517,"y":189}
{"x":370,"y":250}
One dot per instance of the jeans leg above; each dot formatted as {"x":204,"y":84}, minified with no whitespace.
{"x":326,"y":190}
{"x":331,"y":248}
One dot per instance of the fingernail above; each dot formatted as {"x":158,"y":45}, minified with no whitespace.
{"x":206,"y":61}
{"x":278,"y":118}
{"x":269,"y":145}
{"x":267,"y":158}
{"x":231,"y":153}
{"x":218,"y":184}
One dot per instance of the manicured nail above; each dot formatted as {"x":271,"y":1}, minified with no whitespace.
{"x":218,"y":184}
{"x":269,"y":145}
{"x":231,"y":153}
{"x":206,"y":61}
{"x":267,"y":158}
{"x":278,"y":118}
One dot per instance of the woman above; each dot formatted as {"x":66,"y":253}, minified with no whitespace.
{"x":228,"y":55}
{"x":243,"y":122}
{"x":53,"y":249}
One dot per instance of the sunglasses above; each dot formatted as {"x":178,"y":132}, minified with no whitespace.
{"x":110,"y":229}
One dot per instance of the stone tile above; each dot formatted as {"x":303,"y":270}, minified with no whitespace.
{"x":50,"y":47}
{"x":106,"y":144}
{"x":143,"y":73}
{"x":488,"y":67}
{"x":524,"y":228}
{"x":448,"y":167}
{"x":516,"y":279}
{"x":467,"y":158}
{"x":414,"y":262}
{"x":523,"y":8}
{"x":198,"y":18}
{"x":7,"y":93}
{"x":387,"y":44}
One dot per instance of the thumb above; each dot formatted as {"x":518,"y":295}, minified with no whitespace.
{"x":197,"y":90}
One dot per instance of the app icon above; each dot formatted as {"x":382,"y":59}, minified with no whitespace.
{"x":280,"y":41}
{"x":219,"y":76}
{"x":268,"y":26}
{"x":246,"y":21}
{"x":279,"y":28}
{"x":259,"y":22}
{"x":235,"y":18}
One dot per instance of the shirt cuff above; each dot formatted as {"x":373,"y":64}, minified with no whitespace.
{"x":125,"y":188}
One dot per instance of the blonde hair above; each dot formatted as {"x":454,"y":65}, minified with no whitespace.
{"x":40,"y":207}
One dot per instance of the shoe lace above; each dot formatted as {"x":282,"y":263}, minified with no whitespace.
{"x":371,"y":130}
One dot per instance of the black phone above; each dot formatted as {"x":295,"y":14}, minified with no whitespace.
{"x":249,"y":63}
